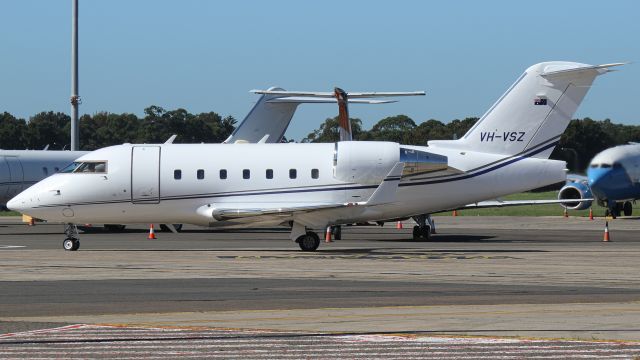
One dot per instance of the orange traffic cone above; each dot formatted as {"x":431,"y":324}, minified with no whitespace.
{"x":152,"y":234}
{"x":606,"y":232}
{"x":590,"y":214}
{"x":455,"y":213}
{"x":399,"y":225}
{"x":566,"y":213}
{"x":327,"y":236}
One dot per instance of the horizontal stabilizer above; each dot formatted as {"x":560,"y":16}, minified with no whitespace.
{"x":326,"y":94}
{"x":321,"y":100}
{"x":558,"y":71}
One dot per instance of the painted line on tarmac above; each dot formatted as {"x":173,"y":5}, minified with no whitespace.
{"x":369,"y":257}
{"x":10,"y":247}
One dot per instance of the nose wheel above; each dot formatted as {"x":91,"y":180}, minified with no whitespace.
{"x":71,"y":243}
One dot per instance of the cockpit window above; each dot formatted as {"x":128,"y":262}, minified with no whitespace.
{"x":70,"y":168}
{"x":605,"y":165}
{"x":92,"y":167}
{"x":86,"y":167}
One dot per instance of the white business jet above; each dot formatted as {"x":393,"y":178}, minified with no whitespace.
{"x":312,"y":186}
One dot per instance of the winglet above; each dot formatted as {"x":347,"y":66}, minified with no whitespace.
{"x":170,"y":140}
{"x":386,"y":192}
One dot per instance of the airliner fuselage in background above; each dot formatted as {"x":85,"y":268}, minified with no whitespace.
{"x":312,"y":186}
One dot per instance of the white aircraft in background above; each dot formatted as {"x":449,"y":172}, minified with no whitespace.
{"x":313,"y":186}
{"x":613,"y":177}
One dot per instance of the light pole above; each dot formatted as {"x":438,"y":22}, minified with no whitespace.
{"x":75,"y":97}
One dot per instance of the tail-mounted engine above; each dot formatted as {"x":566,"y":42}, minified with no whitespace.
{"x":365,"y":162}
{"x":575,"y":191}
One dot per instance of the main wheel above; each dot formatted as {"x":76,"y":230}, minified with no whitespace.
{"x":627,"y":208}
{"x":337,"y":232}
{"x":308,"y":242}
{"x":426,"y":233}
{"x":416,"y":233}
{"x":71,"y":244}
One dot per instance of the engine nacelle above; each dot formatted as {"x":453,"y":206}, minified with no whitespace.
{"x":364,"y":162}
{"x":575,"y":190}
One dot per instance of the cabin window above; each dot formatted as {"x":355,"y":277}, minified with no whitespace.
{"x":246,"y":174}
{"x":269,"y":174}
{"x":87,"y":167}
{"x":223,"y":174}
{"x":200,"y":174}
{"x":45,"y":171}
{"x":177,"y":174}
{"x":293,"y":173}
{"x":315,"y":173}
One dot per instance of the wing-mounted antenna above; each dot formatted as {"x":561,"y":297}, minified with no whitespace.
{"x":343,"y":114}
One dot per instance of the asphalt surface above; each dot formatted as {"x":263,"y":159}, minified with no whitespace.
{"x":532,"y":278}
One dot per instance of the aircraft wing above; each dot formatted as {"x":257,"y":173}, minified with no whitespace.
{"x":504,"y":203}
{"x":384,"y":193}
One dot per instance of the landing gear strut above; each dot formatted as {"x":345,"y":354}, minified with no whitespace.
{"x":71,"y":243}
{"x":422,"y":231}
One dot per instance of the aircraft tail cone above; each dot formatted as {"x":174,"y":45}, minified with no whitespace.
{"x":455,"y":213}
{"x":606,"y":232}
{"x":399,"y":225}
{"x":327,"y":236}
{"x":152,"y":233}
{"x":566,"y":213}
{"x":590,"y":214}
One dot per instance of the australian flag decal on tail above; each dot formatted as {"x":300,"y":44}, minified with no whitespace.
{"x":540,"y":101}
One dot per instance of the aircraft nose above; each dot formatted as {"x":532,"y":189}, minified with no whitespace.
{"x":16,"y":204}
{"x":607,"y":182}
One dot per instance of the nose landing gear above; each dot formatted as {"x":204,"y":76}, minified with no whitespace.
{"x":71,"y":243}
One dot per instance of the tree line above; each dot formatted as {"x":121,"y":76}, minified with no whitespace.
{"x":579,"y":143}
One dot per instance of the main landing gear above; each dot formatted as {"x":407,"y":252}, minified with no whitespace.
{"x":71,"y":243}
{"x":615,"y":209}
{"x":422,"y":231}
{"x":309,"y":241}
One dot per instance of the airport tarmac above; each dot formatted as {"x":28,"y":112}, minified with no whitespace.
{"x":529,"y":278}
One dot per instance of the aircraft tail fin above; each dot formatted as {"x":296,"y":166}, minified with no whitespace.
{"x":533,"y":113}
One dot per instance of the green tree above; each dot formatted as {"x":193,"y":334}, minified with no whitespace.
{"x":397,"y":128}
{"x":12,"y":132}
{"x":48,"y":128}
{"x":329,"y":131}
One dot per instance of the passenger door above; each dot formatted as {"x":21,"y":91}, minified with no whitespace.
{"x":145,"y":174}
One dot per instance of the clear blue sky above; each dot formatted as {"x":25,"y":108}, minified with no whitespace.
{"x":206,"y":55}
